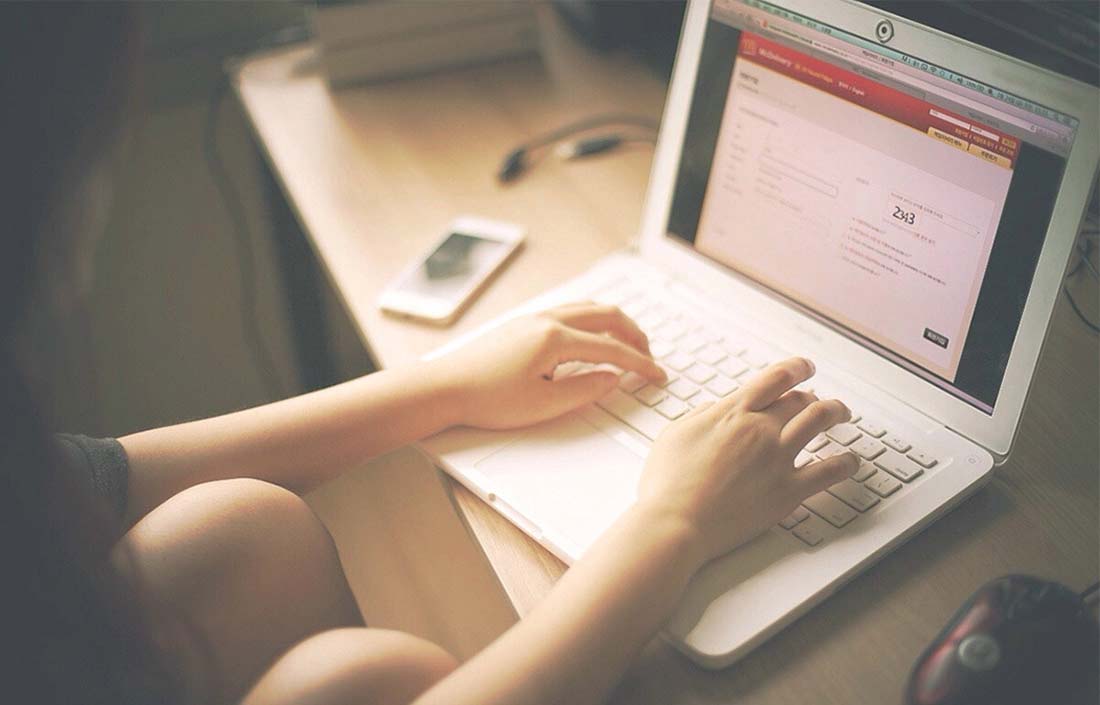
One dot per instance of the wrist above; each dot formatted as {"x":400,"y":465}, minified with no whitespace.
{"x":448,"y":395}
{"x":672,"y":531}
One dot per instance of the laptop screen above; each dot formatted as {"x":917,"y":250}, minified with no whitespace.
{"x":899,"y":202}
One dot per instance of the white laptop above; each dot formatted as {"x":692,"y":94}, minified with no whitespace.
{"x":836,"y":182}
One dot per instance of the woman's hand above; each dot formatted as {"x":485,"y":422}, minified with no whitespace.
{"x":726,"y":471}
{"x":505,"y":379}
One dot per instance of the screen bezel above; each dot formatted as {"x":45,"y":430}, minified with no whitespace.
{"x":801,"y":331}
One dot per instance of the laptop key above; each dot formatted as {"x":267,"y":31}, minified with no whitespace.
{"x":701,"y":398}
{"x":734,"y":343}
{"x":882,"y":484}
{"x":866,"y":469}
{"x":867,"y":448}
{"x":896,"y":442}
{"x":661,"y":348}
{"x":802,"y":459}
{"x":710,"y":333}
{"x":672,"y":408}
{"x":711,"y":355}
{"x":720,"y":386}
{"x":922,"y":459}
{"x":733,"y":367}
{"x":854,"y":495}
{"x":757,"y":358}
{"x":671,"y":330}
{"x":844,"y":433}
{"x":699,"y":373}
{"x":830,"y":509}
{"x":683,"y":389}
{"x":670,"y":378}
{"x":800,"y":514}
{"x":872,"y":429}
{"x":650,"y":395}
{"x":899,"y":466}
{"x":679,"y":361}
{"x":633,"y":413}
{"x":831,"y":449}
{"x":816,"y":443}
{"x":811,"y":531}
{"x":691,"y":342}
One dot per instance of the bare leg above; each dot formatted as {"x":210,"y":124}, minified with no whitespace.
{"x":248,"y":568}
{"x":353,"y":667}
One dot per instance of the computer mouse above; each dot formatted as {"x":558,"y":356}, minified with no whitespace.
{"x":1018,"y":640}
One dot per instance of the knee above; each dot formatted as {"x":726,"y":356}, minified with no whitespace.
{"x":375,"y":666}
{"x":417,"y":663}
{"x":236,"y":523}
{"x":254,"y":510}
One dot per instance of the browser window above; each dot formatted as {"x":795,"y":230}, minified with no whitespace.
{"x":906,"y":215}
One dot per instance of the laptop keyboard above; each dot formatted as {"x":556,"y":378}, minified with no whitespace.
{"x":706,"y":362}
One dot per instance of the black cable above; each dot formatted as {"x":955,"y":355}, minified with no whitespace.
{"x":1077,"y":309}
{"x":599,"y":144}
{"x":242,"y":239}
{"x":1084,"y":247}
{"x":517,"y":161}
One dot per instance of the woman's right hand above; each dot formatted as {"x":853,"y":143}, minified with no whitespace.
{"x":726,"y":470}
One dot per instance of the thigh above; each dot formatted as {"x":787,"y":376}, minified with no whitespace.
{"x":353,"y":667}
{"x":246,"y":569}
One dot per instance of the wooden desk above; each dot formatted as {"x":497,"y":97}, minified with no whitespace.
{"x":374,"y":174}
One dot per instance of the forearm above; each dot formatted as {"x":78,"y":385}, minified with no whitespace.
{"x":297,"y":443}
{"x":576,"y":645}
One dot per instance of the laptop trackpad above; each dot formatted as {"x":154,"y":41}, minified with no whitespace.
{"x":566,"y":476}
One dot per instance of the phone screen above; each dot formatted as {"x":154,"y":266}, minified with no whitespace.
{"x":458,"y":261}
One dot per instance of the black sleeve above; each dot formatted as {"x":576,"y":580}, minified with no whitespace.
{"x":102,"y":461}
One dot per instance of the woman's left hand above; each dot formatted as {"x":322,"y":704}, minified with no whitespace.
{"x":505,"y":378}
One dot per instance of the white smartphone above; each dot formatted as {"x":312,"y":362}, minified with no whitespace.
{"x":443,"y":282}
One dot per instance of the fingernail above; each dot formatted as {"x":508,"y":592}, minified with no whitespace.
{"x":811,"y":365}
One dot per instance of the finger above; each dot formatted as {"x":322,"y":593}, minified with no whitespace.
{"x":790,"y":405}
{"x":574,"y":392}
{"x":590,"y":347}
{"x":762,"y":391}
{"x":814,"y":419}
{"x":595,"y":318}
{"x":821,"y":475}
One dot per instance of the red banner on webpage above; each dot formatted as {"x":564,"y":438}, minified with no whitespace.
{"x":983,"y":141}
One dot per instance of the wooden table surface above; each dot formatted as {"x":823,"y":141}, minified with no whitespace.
{"x":375,"y":173}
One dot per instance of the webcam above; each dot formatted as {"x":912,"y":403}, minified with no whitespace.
{"x":884,"y":31}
